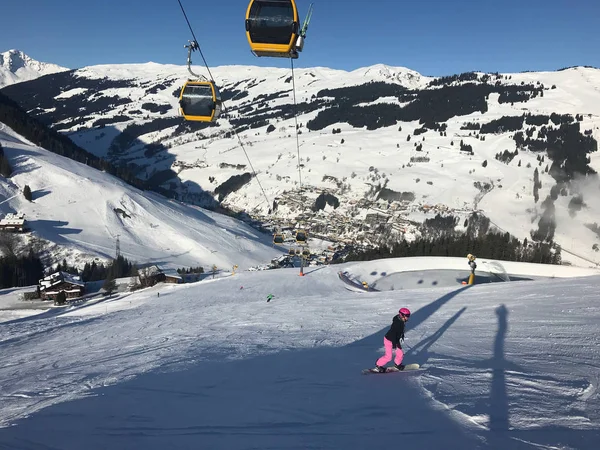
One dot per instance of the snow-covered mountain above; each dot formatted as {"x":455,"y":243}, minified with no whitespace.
{"x":16,"y":67}
{"x":382,"y":149}
{"x":212,"y":365}
{"x":77,"y":213}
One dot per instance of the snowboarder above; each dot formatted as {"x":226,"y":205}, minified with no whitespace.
{"x":473,"y":266}
{"x":391,"y":341}
{"x":472,"y":263}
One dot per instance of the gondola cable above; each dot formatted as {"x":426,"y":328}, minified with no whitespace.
{"x":196,"y":46}
{"x":301,"y":232}
{"x":296,"y":124}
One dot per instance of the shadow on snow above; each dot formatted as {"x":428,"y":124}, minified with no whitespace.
{"x":296,"y":399}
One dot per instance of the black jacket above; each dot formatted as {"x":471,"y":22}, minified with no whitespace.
{"x":396,"y":332}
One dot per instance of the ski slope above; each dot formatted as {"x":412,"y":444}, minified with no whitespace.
{"x":78,"y":212}
{"x":213,"y":365}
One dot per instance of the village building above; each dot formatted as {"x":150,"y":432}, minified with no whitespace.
{"x":150,"y":275}
{"x":13,"y":223}
{"x":52,"y":285}
{"x":171,"y":276}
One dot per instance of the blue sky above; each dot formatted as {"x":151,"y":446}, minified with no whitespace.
{"x":434,"y":37}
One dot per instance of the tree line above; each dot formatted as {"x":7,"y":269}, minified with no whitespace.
{"x":19,"y":271}
{"x":428,"y":106}
{"x":28,"y":269}
{"x":492,"y":245}
{"x":120,"y":267}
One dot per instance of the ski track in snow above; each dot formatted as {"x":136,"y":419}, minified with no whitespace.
{"x":507,"y":365}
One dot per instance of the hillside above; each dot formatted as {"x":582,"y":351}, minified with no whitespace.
{"x":382,"y":149}
{"x":213,"y":365}
{"x":78,"y":212}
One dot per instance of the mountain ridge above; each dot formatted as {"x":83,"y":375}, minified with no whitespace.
{"x":17,"y":67}
{"x":440,"y":139}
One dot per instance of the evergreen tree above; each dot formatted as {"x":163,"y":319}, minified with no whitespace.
{"x":110,"y":284}
{"x":27,"y":193}
{"x":61,"y":298}
{"x":5,"y":169}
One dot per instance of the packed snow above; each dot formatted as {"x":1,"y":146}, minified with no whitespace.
{"x":214,"y":365}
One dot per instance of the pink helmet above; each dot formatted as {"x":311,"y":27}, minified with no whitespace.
{"x":404,"y":312}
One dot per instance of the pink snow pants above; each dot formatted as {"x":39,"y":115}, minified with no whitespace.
{"x":388,"y":354}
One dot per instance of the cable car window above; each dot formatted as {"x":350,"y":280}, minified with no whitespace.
{"x":271,"y":22}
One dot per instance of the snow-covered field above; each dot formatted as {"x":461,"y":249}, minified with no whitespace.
{"x":214,"y":365}
{"x":357,"y":158}
{"x":349,"y":164}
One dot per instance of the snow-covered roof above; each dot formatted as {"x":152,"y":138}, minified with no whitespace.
{"x":171,"y":273}
{"x":60,"y":277}
{"x":151,"y":271}
{"x":13,"y":219}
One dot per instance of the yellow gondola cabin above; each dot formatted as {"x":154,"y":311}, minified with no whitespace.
{"x":200,"y":101}
{"x":273,"y":27}
{"x":301,"y":236}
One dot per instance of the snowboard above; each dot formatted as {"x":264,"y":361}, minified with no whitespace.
{"x":407,"y":368}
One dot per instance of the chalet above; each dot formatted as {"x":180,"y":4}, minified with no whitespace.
{"x":13,"y":223}
{"x":171,"y":276}
{"x":150,"y":275}
{"x":71,"y":285}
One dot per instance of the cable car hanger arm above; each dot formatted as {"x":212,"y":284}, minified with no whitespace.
{"x":193,"y":46}
{"x":306,"y":20}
